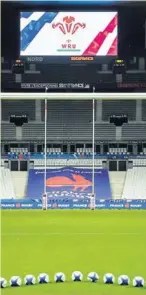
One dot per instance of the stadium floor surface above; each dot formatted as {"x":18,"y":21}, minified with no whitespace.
{"x":62,"y":240}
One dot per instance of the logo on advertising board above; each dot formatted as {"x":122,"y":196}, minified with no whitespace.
{"x":63,"y":206}
{"x":100,"y":206}
{"x":55,"y":85}
{"x":28,"y":205}
{"x":18,"y":205}
{"x":116,"y":206}
{"x":82,"y":58}
{"x":127,"y":205}
{"x":8,"y":205}
{"x":68,"y":26}
{"x":80,"y":205}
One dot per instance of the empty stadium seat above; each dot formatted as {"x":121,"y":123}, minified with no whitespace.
{"x":78,"y":162}
{"x":139,"y":162}
{"x":117,"y":150}
{"x":19,"y":150}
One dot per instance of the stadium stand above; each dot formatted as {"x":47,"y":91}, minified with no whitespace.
{"x":134,"y":131}
{"x":6,"y":184}
{"x":116,"y":107}
{"x":117,"y":180}
{"x":10,"y":107}
{"x":8,"y":131}
{"x":19,"y":180}
{"x":70,"y":122}
{"x":135,"y":184}
{"x":68,"y":110}
{"x":73,"y":130}
{"x":73,"y":120}
{"x":144,"y":110}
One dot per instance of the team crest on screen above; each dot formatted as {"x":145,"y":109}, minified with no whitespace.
{"x":69,"y":25}
{"x":72,"y":33}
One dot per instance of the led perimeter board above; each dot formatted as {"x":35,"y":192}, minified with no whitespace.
{"x":70,"y":35}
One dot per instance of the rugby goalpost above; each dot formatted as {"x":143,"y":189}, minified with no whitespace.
{"x":84,"y":96}
{"x":76,"y":96}
{"x":92,"y":197}
{"x":44,"y":197}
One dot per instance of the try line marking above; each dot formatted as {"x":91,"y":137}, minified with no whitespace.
{"x":71,"y":234}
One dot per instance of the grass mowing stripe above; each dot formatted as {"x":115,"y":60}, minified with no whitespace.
{"x":71,"y":234}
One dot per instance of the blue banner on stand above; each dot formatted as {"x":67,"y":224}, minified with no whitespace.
{"x":73,"y":204}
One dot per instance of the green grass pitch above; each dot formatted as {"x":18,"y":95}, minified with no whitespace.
{"x":51,"y":241}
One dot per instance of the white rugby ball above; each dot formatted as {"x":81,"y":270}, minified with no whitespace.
{"x":15,"y":281}
{"x":3,"y":283}
{"x":59,"y":277}
{"x":43,"y":278}
{"x":77,"y":276}
{"x":109,"y":278}
{"x":29,"y":280}
{"x":123,"y":280}
{"x":93,"y":277}
{"x":138,"y":282}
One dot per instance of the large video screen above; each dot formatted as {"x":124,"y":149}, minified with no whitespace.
{"x":68,"y":33}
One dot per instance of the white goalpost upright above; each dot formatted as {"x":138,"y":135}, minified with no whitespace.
{"x":44,"y":197}
{"x":92,"y":198}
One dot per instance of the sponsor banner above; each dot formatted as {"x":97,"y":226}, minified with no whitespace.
{"x":70,"y":204}
{"x":55,"y":85}
{"x":67,"y":156}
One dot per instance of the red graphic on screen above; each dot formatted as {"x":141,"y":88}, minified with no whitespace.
{"x":68,"y":25}
{"x":60,"y":181}
{"x":113,"y":49}
{"x":98,"y":41}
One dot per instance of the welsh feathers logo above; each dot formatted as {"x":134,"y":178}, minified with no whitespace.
{"x":69,"y":25}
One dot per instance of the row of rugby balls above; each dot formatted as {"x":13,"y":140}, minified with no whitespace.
{"x":77,"y":276}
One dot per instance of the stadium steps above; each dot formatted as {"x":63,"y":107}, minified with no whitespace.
{"x":6,"y":184}
{"x":135,"y":184}
{"x":117,"y":180}
{"x":19,"y":180}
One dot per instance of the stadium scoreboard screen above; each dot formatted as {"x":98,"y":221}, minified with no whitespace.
{"x":74,"y":36}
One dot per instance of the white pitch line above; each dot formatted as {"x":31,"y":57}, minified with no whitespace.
{"x":71,"y":234}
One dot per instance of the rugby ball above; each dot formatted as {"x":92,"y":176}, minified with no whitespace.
{"x":93,"y":277}
{"x":77,"y":276}
{"x":138,"y":282}
{"x":3,"y":283}
{"x":109,"y":278}
{"x":43,"y":278}
{"x":123,"y":280}
{"x":29,"y":280}
{"x":59,"y":277}
{"x":15,"y":281}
